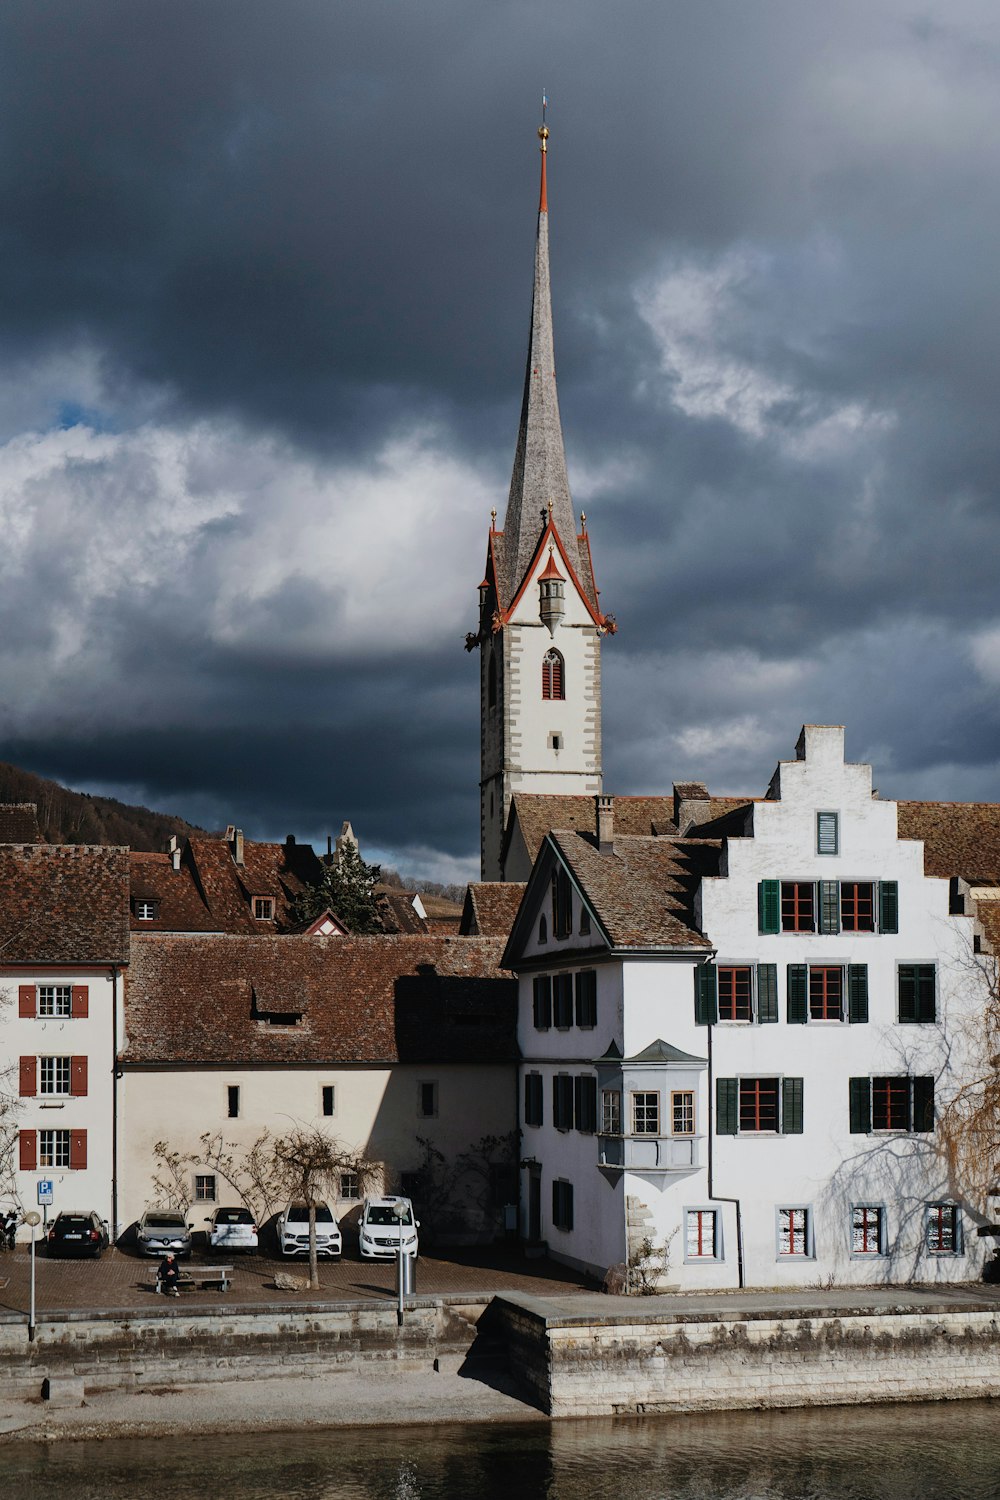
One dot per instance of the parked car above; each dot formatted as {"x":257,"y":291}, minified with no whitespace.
{"x":163,"y":1229}
{"x":72,"y":1233}
{"x":232,"y":1229}
{"x":387,"y":1223}
{"x":293,"y":1231}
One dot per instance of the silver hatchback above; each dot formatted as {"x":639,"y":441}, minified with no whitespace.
{"x":164,"y":1229}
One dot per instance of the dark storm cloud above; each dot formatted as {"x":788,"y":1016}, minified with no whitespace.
{"x":281,"y":256}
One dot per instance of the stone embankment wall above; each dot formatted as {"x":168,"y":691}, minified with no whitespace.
{"x":607,"y":1367}
{"x":173,"y":1348}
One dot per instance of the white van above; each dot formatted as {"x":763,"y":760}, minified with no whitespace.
{"x":387,"y":1223}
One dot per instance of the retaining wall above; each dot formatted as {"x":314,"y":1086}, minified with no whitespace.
{"x":654,"y":1364}
{"x":114,"y":1351}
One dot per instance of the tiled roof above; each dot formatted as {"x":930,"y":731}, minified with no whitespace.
{"x":643,"y":891}
{"x":18,"y":823}
{"x":633,"y":816}
{"x":490,"y":908}
{"x":212,"y":893}
{"x":192,"y":1000}
{"x":63,"y":904}
{"x":988,"y":915}
{"x":960,"y":838}
{"x":395,"y":909}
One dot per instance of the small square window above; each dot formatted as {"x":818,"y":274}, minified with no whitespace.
{"x":204,"y":1187}
{"x":263,"y":908}
{"x":794,"y":1234}
{"x":55,"y":999}
{"x":329,"y":1099}
{"x":350,"y":1188}
{"x":145,"y":911}
{"x":701,"y":1234}
{"x":646,"y":1113}
{"x":233,"y":1101}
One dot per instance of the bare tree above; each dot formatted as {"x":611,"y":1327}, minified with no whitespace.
{"x":9,"y":1105}
{"x":969,"y":1120}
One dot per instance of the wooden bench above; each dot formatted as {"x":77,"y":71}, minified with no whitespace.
{"x":205,"y":1276}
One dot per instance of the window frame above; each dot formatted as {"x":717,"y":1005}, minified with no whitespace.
{"x":918,"y":970}
{"x":331,"y":1090}
{"x":59,"y":996}
{"x":263,"y":908}
{"x":757,"y":1080}
{"x":650,"y":1112}
{"x":611,"y":1112}
{"x":934,"y":1211}
{"x":234,"y":1101}
{"x":733,"y":998}
{"x":139,"y":908}
{"x":790,"y":905}
{"x":853,"y":908}
{"x":553,"y":676}
{"x":718,"y":1250}
{"x":202,"y":1192}
{"x":827,"y":820}
{"x":57,"y":1064}
{"x":881,"y":1235}
{"x":60,"y":1145}
{"x":682,"y":1111}
{"x":427,"y":1093}
{"x":808,"y":1251}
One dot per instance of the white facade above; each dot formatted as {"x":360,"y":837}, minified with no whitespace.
{"x":60,"y":1027}
{"x":795,"y":1132}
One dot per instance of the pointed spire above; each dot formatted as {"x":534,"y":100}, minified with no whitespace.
{"x":539,"y":486}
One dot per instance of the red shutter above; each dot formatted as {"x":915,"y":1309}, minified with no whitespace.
{"x":26,"y":1000}
{"x":78,"y":1077}
{"x":77,"y":1150}
{"x":29,"y":1150}
{"x":81,"y":1001}
{"x":29,"y":1078}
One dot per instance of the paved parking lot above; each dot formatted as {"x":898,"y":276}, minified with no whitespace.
{"x":123,"y":1281}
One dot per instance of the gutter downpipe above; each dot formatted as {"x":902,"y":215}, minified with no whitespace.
{"x":114,"y":1103}
{"x":715,"y":1197}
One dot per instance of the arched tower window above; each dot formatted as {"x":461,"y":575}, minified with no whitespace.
{"x":553,"y":675}
{"x":491,"y":682}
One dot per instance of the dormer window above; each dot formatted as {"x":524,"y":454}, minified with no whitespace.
{"x":145,"y":910}
{"x":263,"y":908}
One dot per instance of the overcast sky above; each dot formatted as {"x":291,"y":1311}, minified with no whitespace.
{"x":265,"y":280}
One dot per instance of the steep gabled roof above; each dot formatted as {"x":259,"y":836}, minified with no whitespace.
{"x":643,"y":890}
{"x":490,"y":908}
{"x":63,"y":904}
{"x":210,"y":892}
{"x":211,"y":1001}
{"x":537,"y":813}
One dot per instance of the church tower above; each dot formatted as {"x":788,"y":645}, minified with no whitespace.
{"x":540,"y":622}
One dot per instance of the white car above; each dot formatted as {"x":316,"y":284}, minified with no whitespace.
{"x":386,"y":1224}
{"x":293,"y":1231}
{"x":232,"y":1229}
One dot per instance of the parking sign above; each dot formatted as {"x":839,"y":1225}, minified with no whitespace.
{"x":45,"y":1190}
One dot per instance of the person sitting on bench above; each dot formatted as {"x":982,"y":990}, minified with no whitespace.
{"x":168,"y":1275}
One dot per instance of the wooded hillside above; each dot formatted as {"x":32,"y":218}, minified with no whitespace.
{"x":66,"y":817}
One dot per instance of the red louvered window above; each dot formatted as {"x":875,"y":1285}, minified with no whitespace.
{"x":553,"y":675}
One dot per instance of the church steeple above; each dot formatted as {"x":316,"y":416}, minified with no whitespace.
{"x":540,"y":620}
{"x":539,"y":480}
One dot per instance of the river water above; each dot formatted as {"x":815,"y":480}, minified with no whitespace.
{"x":847,"y":1453}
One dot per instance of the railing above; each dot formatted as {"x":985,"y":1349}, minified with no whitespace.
{"x":649,"y":1153}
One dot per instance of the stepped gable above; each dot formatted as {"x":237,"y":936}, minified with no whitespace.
{"x":279,"y":1001}
{"x":19,"y":823}
{"x":63,"y":904}
{"x":490,"y":907}
{"x":959,"y":838}
{"x":642,"y":891}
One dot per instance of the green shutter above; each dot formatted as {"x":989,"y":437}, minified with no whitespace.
{"x":727,"y":1110}
{"x":791,"y":1106}
{"x":888,"y":906}
{"x":861,"y":1105}
{"x":857,"y":993}
{"x":706,"y":995}
{"x":769,"y":906}
{"x":923,"y":1105}
{"x":829,"y":906}
{"x":797,"y":1001}
{"x":767,"y":993}
{"x":926,"y":993}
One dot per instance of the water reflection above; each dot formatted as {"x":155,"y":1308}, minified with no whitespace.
{"x":881,"y":1453}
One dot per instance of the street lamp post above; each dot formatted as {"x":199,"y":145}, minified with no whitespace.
{"x":33,"y":1219}
{"x":400,"y":1210}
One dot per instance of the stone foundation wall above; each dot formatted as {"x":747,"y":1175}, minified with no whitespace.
{"x":607,"y":1368}
{"x":181,"y":1348}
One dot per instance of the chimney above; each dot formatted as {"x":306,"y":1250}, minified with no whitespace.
{"x":289,"y":841}
{"x":605,"y":824}
{"x":174,"y":850}
{"x":692,"y":804}
{"x":236,"y":844}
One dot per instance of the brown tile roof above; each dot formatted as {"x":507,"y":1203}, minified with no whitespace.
{"x":643,"y":891}
{"x":634,"y":816}
{"x":490,"y":908}
{"x":212,"y":893}
{"x":395,"y":909}
{"x":63,"y":904}
{"x":960,"y":838}
{"x":204,"y":1000}
{"x":19,"y":823}
{"x":988,"y":915}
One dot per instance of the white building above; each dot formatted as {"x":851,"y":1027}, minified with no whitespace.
{"x":737,"y":1037}
{"x":63,"y":952}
